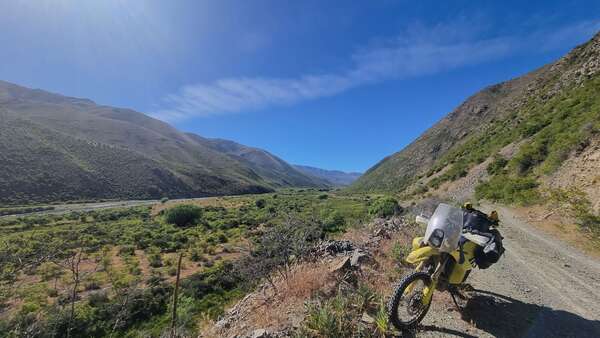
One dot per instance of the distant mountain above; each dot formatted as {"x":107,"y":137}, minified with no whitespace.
{"x":54,"y":147}
{"x":525,"y":128}
{"x":335,"y":178}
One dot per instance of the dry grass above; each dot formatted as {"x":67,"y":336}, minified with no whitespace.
{"x":387,"y":271}
{"x":283,"y":306}
{"x":304,"y":281}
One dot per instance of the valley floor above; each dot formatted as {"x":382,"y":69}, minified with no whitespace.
{"x":58,"y":209}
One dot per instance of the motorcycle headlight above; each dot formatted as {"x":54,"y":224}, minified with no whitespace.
{"x":436,"y":238}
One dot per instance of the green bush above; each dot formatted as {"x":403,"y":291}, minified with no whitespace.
{"x":505,"y":189}
{"x":340,"y":316}
{"x":260,"y":203}
{"x":334,"y":222}
{"x":155,"y":260}
{"x":172,"y":271}
{"x":91,"y":285}
{"x":331,"y":318}
{"x":385,"y":207}
{"x":497,"y":165}
{"x":183,"y":215}
{"x":529,"y":156}
{"x":456,"y":171}
{"x":399,"y":252}
{"x":127,"y":250}
{"x":576,"y":204}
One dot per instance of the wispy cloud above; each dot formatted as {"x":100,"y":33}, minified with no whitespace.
{"x":416,"y":53}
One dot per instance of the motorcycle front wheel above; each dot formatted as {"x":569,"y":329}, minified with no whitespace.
{"x":406,"y":308}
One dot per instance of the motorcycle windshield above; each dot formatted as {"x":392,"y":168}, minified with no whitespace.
{"x":449,"y":220}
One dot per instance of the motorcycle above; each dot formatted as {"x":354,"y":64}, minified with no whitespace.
{"x":444,"y":257}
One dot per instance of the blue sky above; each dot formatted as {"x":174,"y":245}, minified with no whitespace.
{"x":333,"y":84}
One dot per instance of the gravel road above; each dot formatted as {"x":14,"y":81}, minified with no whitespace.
{"x":541,"y":287}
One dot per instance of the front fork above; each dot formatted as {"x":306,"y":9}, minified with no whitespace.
{"x":428,"y":290}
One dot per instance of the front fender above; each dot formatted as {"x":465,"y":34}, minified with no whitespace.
{"x":421,"y":254}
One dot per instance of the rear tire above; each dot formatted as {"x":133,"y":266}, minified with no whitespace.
{"x":398,"y":297}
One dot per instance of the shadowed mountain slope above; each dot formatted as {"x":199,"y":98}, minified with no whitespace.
{"x":54,"y":147}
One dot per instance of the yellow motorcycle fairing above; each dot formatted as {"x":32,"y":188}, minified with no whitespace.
{"x":420,"y":254}
{"x":459,"y":270}
{"x":416,"y":243}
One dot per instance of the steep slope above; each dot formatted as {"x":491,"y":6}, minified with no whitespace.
{"x":60,"y":148}
{"x":555,"y":102}
{"x":335,"y":178}
{"x":265,"y":164}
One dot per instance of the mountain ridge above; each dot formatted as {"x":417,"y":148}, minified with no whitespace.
{"x":79,"y":139}
{"x":336,"y":178}
{"x":442,"y":147}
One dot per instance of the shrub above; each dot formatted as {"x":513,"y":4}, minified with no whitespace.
{"x":127,"y":250}
{"x":183,"y":215}
{"x":385,"y":207}
{"x":577,"y":205}
{"x":155,"y":260}
{"x":323,"y":196}
{"x":213,"y":287}
{"x":497,"y":165}
{"x":91,"y":285}
{"x":421,"y":189}
{"x":172,"y":271}
{"x":279,"y":248}
{"x":98,"y":298}
{"x":399,"y":252}
{"x":505,"y":189}
{"x":456,"y":171}
{"x":334,"y":222}
{"x":529,"y":156}
{"x":340,"y":317}
{"x":331,"y":318}
{"x":260,"y":203}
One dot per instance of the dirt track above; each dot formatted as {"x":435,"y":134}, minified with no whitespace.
{"x":542,"y":287}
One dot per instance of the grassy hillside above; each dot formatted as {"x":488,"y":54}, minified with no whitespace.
{"x":550,"y":113}
{"x":59,"y":148}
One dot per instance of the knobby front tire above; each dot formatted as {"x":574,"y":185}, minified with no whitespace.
{"x":397,"y":297}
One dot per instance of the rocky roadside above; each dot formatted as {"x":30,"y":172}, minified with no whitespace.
{"x":541,"y":287}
